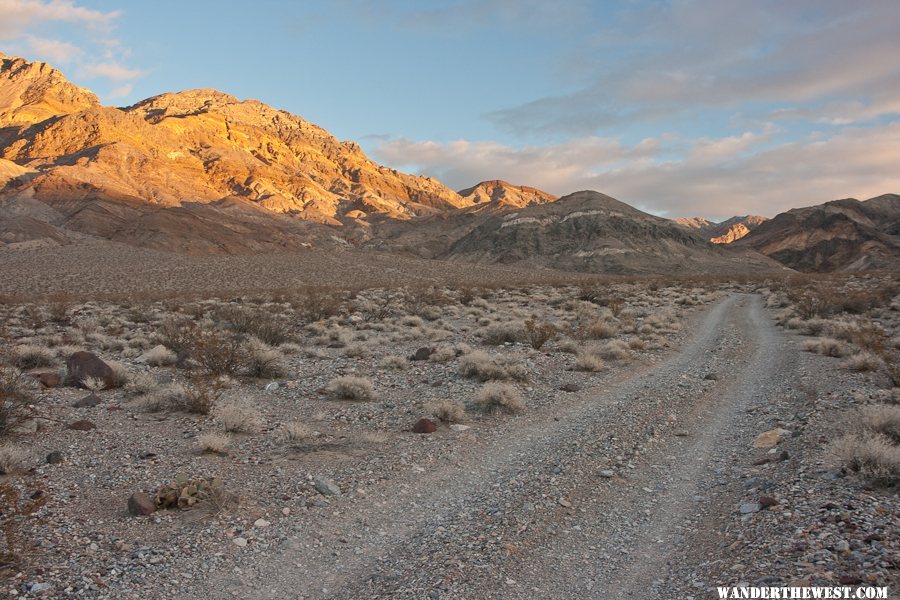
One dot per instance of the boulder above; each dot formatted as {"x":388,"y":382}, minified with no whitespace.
{"x":141,"y":504}
{"x":48,"y":379}
{"x":81,"y":365}
{"x":424,"y":425}
{"x":422,"y":354}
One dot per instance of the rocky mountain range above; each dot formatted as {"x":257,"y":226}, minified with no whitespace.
{"x":202,"y":172}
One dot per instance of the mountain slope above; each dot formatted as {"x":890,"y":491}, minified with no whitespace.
{"x":501,"y":193}
{"x":725,"y":232}
{"x":198,"y":146}
{"x":843,"y":235}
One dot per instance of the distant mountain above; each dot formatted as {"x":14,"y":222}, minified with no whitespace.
{"x":501,"y":193}
{"x":843,"y":235}
{"x":725,"y":232}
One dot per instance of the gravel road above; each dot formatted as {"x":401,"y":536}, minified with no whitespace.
{"x":591,"y":499}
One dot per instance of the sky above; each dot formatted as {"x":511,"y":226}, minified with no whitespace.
{"x":681,"y":108}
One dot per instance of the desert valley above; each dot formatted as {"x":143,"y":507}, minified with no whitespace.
{"x":242,"y":359}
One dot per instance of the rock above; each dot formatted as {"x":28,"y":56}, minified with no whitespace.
{"x":27,"y":426}
{"x":54,"y":458}
{"x":82,"y":425}
{"x":88,"y":401}
{"x":81,"y":365}
{"x":459,"y":427}
{"x":767,"y":501}
{"x":48,"y":379}
{"x":564,"y":503}
{"x":141,"y":504}
{"x":570,"y":388}
{"x":761,"y":461}
{"x":771,"y":438}
{"x":607,"y":473}
{"x":711,"y":377}
{"x":850,"y":580}
{"x":422,"y":354}
{"x":286,"y":511}
{"x":749,"y":507}
{"x":239,"y":542}
{"x":424,"y":425}
{"x":39,"y":587}
{"x":261,"y":523}
{"x":326,"y":487}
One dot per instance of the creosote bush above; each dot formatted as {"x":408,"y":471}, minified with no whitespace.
{"x":538,"y":332}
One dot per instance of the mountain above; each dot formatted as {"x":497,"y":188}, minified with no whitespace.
{"x":584,"y":231}
{"x":843,"y":235}
{"x":725,"y":232}
{"x":501,"y":193}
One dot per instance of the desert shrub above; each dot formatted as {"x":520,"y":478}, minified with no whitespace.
{"x":443,"y":354}
{"x":615,"y":350}
{"x":589,"y":359}
{"x":200,"y":396}
{"x":295,"y":434}
{"x":637,"y":343}
{"x":884,"y":420}
{"x":317,"y":303}
{"x":482,"y":366}
{"x":601,"y":330}
{"x":12,"y":459}
{"x":217,"y":352}
{"x":826,"y":347}
{"x":352,"y":388}
{"x":496,"y":397}
{"x":257,"y":322}
{"x":538,"y":332}
{"x":496,"y":334}
{"x":94,"y":384}
{"x":159,"y":356}
{"x":215,"y":443}
{"x":863,"y":361}
{"x":16,"y":508}
{"x":393,"y":361}
{"x":120,"y":376}
{"x":177,"y":334}
{"x":15,"y":399}
{"x":263,"y":361}
{"x":30,"y":356}
{"x":873,"y":456}
{"x":141,"y":384}
{"x":239,"y":417}
{"x":446,"y":411}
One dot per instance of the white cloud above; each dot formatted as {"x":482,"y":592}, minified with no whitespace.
{"x":55,"y":51}
{"x":17,"y":15}
{"x":111,"y":70}
{"x":716,"y":178}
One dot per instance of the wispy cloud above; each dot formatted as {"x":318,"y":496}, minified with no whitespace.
{"x":675,"y":177}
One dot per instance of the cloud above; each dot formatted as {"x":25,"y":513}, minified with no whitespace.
{"x":54,"y":50}
{"x":111,"y":70}
{"x":685,"y":57}
{"x":18,"y":15}
{"x":710,"y":177}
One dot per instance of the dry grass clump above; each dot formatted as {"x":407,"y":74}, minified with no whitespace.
{"x":255,"y":321}
{"x":31,"y":356}
{"x":12,"y":459}
{"x":159,"y":356}
{"x":349,"y":387}
{"x":141,"y":384}
{"x":446,"y":411}
{"x":239,"y":417}
{"x":213,"y":443}
{"x":884,"y":420}
{"x":93,"y":384}
{"x":615,"y":350}
{"x":393,"y":362}
{"x":589,"y":359}
{"x":601,"y":330}
{"x":482,"y":366}
{"x":120,"y":376}
{"x":317,"y":303}
{"x":15,"y":399}
{"x":826,"y":347}
{"x":872,"y":455}
{"x":497,"y":334}
{"x":295,"y":434}
{"x":496,"y":397}
{"x":863,"y":361}
{"x":443,"y":354}
{"x":216,"y":352}
{"x":263,"y":361}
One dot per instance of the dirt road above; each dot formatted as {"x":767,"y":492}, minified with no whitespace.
{"x":598,"y":499}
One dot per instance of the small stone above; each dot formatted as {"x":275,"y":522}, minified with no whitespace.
{"x":565,"y":503}
{"x":842,"y":546}
{"x":239,"y":542}
{"x":850,"y":580}
{"x":711,"y":377}
{"x":54,"y":458}
{"x":571,"y":388}
{"x":607,"y":473}
{"x":326,"y":487}
{"x":40,"y":587}
{"x":424,"y":425}
{"x":48,"y":379}
{"x":271,"y":387}
{"x":767,"y":501}
{"x":771,"y":438}
{"x":141,"y":504}
{"x":749,"y":508}
{"x":82,"y":425}
{"x":261,"y":523}
{"x":88,"y":401}
{"x":458,"y":427}
{"x":286,"y":511}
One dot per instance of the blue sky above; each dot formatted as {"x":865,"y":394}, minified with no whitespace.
{"x":706,"y":107}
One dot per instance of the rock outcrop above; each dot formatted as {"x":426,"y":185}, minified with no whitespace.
{"x":500,"y":193}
